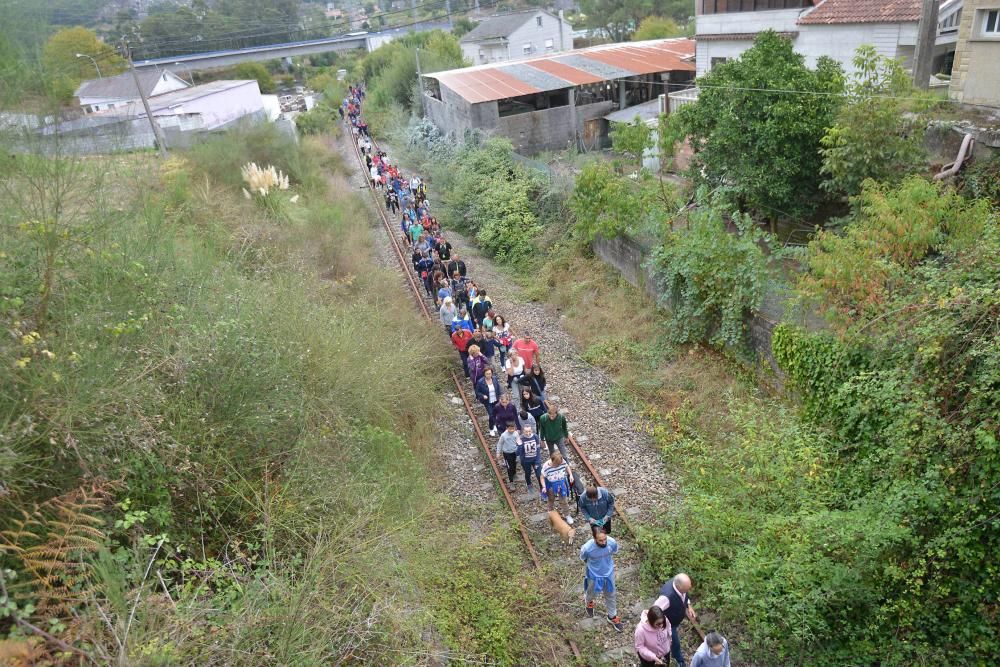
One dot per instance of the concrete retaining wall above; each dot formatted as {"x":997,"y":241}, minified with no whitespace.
{"x":630,"y":258}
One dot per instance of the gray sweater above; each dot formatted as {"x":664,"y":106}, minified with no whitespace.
{"x":507,"y":443}
{"x":703,"y":656}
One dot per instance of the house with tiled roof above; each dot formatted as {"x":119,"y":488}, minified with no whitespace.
{"x":833,"y":28}
{"x":516,"y":35}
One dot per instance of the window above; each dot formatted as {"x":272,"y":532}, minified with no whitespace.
{"x":991,"y":23}
{"x":526,"y":49}
{"x":718,"y":61}
{"x":538,"y":21}
{"x":549,"y":46}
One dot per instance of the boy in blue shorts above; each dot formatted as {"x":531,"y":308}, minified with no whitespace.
{"x":558,"y":478}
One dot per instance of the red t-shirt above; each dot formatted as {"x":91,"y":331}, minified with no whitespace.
{"x":527,"y":350}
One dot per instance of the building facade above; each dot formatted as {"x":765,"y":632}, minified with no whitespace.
{"x":556,"y":101}
{"x":516,"y":35}
{"x":112,"y":92}
{"x":832,"y":28}
{"x":976,"y":74}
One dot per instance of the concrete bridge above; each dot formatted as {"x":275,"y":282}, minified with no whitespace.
{"x":354,"y":40}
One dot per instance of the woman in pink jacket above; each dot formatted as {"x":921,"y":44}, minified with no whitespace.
{"x":652,"y":637}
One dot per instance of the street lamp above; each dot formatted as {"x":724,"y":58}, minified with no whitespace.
{"x":84,"y":55}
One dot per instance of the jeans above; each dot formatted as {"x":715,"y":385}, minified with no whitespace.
{"x":675,"y":646}
{"x":529,"y":465}
{"x":561,"y":444}
{"x":511,"y":461}
{"x":489,"y":411}
{"x":610,"y":597}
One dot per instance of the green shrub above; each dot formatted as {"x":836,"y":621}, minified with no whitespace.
{"x":258,"y":72}
{"x":710,"y":278}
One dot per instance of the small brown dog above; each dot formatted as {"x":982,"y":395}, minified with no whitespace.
{"x":566,"y":533}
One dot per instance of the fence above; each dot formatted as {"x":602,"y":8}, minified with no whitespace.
{"x":681,"y":97}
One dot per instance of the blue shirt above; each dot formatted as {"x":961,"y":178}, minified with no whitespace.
{"x":598,"y":559}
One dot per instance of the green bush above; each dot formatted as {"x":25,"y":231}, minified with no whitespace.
{"x":258,"y":72}
{"x":710,"y":278}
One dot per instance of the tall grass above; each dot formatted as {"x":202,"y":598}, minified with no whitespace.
{"x":258,"y":395}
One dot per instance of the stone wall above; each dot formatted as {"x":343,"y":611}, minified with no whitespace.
{"x":629,"y":257}
{"x":549,"y":129}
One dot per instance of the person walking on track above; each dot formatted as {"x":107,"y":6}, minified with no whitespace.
{"x":504,"y":412}
{"x":597,"y":504}
{"x":528,"y":450}
{"x":531,"y":403}
{"x":477,"y":363}
{"x":676,"y":606}
{"x":599,"y":576}
{"x":507,"y":447}
{"x":514,"y":368}
{"x":461,"y":338}
{"x":502,"y":332}
{"x":713,"y":652}
{"x":558,"y":476}
{"x":528,"y":349}
{"x":554,"y":429}
{"x":535,"y":378}
{"x":488,"y":393}
{"x":447,"y":313}
{"x":652,"y":638}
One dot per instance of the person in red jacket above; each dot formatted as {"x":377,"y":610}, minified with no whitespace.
{"x":461,"y":338}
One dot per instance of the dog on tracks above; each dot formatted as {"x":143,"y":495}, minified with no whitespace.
{"x":559,"y":525}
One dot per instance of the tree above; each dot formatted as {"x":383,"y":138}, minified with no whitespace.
{"x":462,"y":26}
{"x":631,"y":139}
{"x":656,"y":27}
{"x":66,"y":71}
{"x":872,"y":138}
{"x":757,"y":125}
{"x":256,"y":71}
{"x":619,"y":18}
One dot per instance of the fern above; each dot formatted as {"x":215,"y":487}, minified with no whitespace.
{"x":51,"y":541}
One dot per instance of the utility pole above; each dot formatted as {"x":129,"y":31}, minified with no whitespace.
{"x":160,"y":141}
{"x":420,"y":86}
{"x":923,"y":56}
{"x":447,"y":9}
{"x":413,"y":5}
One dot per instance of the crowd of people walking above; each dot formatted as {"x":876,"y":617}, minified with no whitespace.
{"x":506,"y":374}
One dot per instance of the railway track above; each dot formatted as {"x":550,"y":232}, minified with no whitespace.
{"x":621,"y":517}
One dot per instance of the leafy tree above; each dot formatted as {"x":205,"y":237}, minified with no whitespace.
{"x":619,"y":18}
{"x":62,"y":65}
{"x":872,"y":137}
{"x":631,"y":139}
{"x":656,"y":27}
{"x":462,"y":26}
{"x":256,"y":71}
{"x":752,"y":137}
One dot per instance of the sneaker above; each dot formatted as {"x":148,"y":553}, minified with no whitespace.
{"x":493,"y":431}
{"x":616,"y":623}
{"x":590,"y":609}
{"x":569,"y":519}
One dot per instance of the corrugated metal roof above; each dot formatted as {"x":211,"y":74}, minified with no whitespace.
{"x":121,"y":86}
{"x":863,"y":11}
{"x":497,"y":81}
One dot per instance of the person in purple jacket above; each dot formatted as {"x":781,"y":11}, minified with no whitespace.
{"x":504,"y":412}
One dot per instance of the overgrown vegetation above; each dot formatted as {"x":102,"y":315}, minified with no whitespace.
{"x":755,"y":141}
{"x":201,"y":410}
{"x":872,"y":136}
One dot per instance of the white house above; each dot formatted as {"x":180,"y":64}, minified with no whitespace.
{"x":833,"y":28}
{"x":516,"y":35}
{"x":118,"y":91}
{"x":210,"y":106}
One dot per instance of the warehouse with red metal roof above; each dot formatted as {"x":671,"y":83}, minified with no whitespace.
{"x":559,"y":100}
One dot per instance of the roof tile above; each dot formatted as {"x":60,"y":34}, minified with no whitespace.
{"x":863,"y":11}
